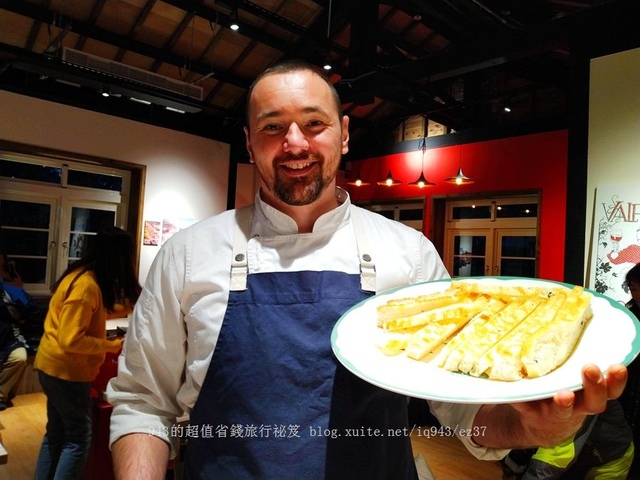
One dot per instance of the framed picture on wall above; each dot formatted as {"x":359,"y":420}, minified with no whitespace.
{"x":615,"y":243}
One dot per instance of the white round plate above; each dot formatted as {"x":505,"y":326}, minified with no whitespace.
{"x":612,"y":336}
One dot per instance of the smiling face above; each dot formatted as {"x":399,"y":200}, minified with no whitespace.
{"x":296,"y":138}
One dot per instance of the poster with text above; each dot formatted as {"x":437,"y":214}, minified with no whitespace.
{"x":616,"y":239}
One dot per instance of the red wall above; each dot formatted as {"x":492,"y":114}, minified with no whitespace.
{"x":531,"y":162}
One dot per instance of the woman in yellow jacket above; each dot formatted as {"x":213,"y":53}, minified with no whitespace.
{"x":74,"y":345}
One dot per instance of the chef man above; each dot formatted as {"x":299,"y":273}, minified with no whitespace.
{"x":233,"y":326}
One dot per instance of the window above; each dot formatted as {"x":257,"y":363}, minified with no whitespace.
{"x":48,"y":209}
{"x":410,"y":213}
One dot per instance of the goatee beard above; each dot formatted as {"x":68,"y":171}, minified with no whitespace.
{"x":299,"y":192}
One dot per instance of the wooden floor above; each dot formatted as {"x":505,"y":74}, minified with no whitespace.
{"x":22,"y":427}
{"x":448,"y":459}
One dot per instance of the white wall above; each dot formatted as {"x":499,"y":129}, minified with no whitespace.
{"x":247,"y":185}
{"x":186,"y":176}
{"x":614,"y":130}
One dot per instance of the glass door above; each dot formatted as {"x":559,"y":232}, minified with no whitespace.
{"x":469,"y":252}
{"x":516,"y":253}
{"x":492,"y":236}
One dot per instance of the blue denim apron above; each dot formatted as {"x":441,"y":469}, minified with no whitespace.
{"x":275,"y":403}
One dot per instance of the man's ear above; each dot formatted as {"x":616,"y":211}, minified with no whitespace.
{"x":345,"y":134}
{"x":248,"y":144}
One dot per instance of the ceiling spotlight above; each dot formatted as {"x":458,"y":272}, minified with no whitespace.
{"x":105,"y":93}
{"x":327,"y":63}
{"x":233,"y":17}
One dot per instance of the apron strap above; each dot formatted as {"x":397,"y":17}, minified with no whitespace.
{"x":239,"y":261}
{"x":367,"y":266}
{"x":240,"y":264}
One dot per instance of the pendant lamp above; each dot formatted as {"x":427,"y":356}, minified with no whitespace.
{"x":358,"y":182}
{"x":460,"y":178}
{"x":422,"y":182}
{"x":389,"y":181}
{"x":327,"y":59}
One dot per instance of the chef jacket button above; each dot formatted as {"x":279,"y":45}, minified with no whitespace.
{"x":366,"y":257}
{"x":239,"y":257}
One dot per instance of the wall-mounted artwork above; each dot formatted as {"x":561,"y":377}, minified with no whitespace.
{"x":151,"y":233}
{"x":616,"y":239}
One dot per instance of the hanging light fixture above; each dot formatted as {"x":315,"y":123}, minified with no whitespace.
{"x":358,"y":182}
{"x":327,"y":63}
{"x":507,"y":106}
{"x":233,"y":18}
{"x":460,"y":178}
{"x":327,"y":59}
{"x":422,"y":182}
{"x":389,"y":181}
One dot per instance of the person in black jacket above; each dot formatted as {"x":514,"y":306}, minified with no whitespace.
{"x":602,"y":448}
{"x":630,"y":398}
{"x":13,"y":353}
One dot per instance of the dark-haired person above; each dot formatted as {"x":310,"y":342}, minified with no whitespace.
{"x":632,"y":279}
{"x":74,"y":345}
{"x":630,"y":398}
{"x":234,"y":325}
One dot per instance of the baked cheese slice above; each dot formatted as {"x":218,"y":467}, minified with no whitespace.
{"x":442,"y":314}
{"x":502,"y":332}
{"x":552,"y":344}
{"x":451,"y":354}
{"x":503,"y":360}
{"x":435,"y":333}
{"x":492,"y":331}
{"x":505,"y":292}
{"x":407,"y":307}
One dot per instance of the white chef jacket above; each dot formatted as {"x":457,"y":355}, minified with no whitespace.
{"x":176,"y":321}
